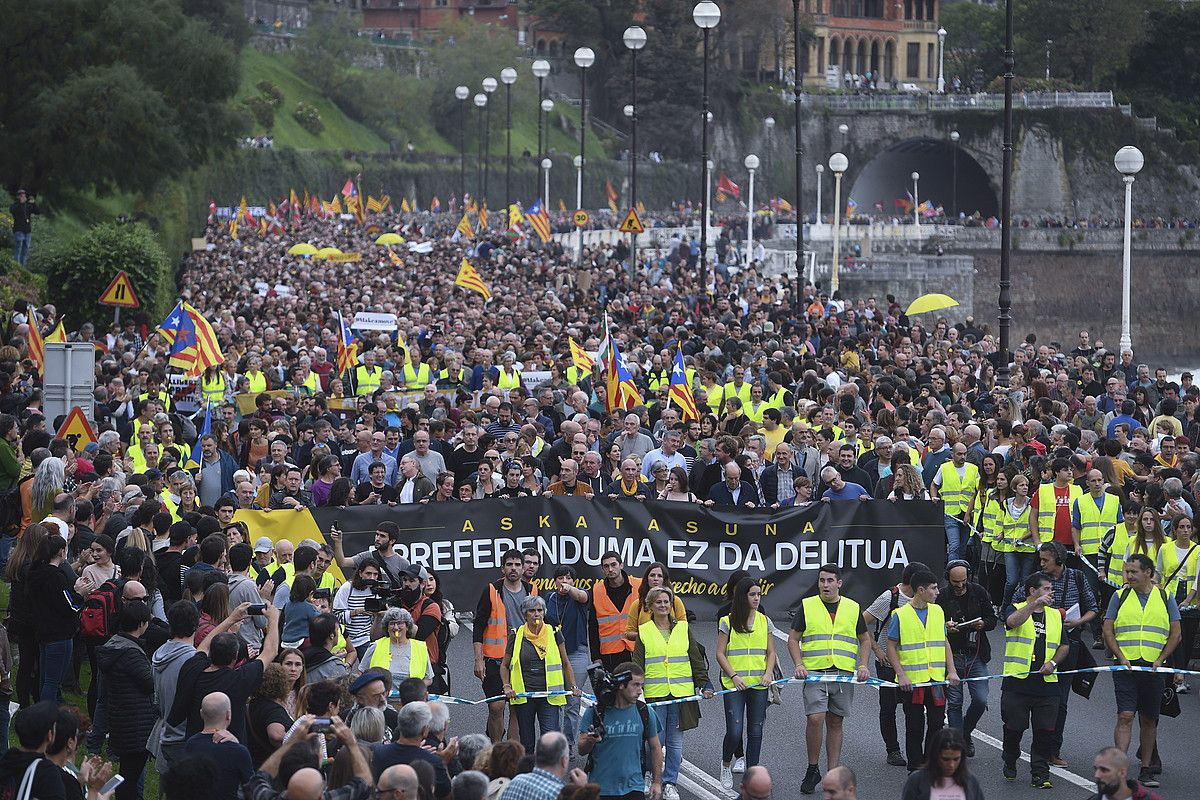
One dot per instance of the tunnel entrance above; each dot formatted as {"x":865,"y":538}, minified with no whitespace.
{"x":888,"y":178}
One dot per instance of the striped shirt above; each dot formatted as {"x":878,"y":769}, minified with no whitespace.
{"x":347,"y":600}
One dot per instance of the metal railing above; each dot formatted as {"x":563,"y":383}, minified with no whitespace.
{"x":929,"y":101}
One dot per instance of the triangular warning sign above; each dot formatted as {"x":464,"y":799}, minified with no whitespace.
{"x":77,"y":430}
{"x":632,"y":224}
{"x":120,"y":293}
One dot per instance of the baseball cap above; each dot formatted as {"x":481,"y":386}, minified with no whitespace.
{"x":263,"y":545}
{"x":415,"y":571}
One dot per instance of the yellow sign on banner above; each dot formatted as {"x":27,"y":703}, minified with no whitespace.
{"x":343,"y":258}
{"x":295,"y":525}
{"x":77,"y":430}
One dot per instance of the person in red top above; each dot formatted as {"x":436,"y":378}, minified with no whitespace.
{"x":1064,"y":492}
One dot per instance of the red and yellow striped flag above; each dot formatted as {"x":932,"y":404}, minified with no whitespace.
{"x":36,"y":346}
{"x":59,"y":334}
{"x":580,"y":357}
{"x":469,"y":278}
{"x":464,"y":226}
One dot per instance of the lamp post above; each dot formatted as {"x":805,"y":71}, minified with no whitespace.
{"x":481,"y":100}
{"x":916,"y":179}
{"x":540,"y":68}
{"x":489,"y":86}
{"x":844,"y":130}
{"x":508,"y":76}
{"x":1129,"y":162}
{"x":546,"y":164}
{"x":634,"y":39}
{"x":751,"y":164}
{"x":546,"y":107}
{"x":584,"y":58}
{"x":954,"y":177}
{"x":706,"y":15}
{"x":797,"y":84}
{"x":941,"y":60}
{"x":837,"y":165}
{"x":1002,"y":363}
{"x":578,"y":161}
{"x":820,"y":176}
{"x":769,"y":124}
{"x":1048,"y":43}
{"x":461,"y":93}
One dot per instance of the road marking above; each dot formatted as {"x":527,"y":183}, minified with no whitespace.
{"x":697,"y":790}
{"x":1078,"y":780}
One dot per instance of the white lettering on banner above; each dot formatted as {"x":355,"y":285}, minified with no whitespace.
{"x":374,"y":321}
{"x":682,"y":554}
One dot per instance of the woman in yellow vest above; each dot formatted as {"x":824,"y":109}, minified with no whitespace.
{"x":1020,"y":552}
{"x":1188,"y":590}
{"x":1147,"y":537}
{"x":991,"y":507}
{"x":535,"y":661}
{"x":746,"y":655}
{"x":212,"y":386}
{"x":399,"y":654}
{"x":656,"y":575}
{"x":1176,"y":566}
{"x":674,"y":667}
{"x":256,"y":379}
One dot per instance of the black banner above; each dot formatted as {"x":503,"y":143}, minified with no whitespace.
{"x":465,"y":542}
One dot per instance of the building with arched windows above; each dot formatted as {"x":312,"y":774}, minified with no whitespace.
{"x":893,"y":40}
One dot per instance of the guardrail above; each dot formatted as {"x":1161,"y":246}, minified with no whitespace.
{"x":930,"y":101}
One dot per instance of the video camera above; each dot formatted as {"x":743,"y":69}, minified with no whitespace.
{"x":383,"y":596}
{"x":606,"y":685}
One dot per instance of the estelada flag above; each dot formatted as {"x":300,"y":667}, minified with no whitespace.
{"x":621,"y":394}
{"x":483,"y":218}
{"x":405,"y":208}
{"x":59,"y":334}
{"x":580,"y":357}
{"x":36,"y":346}
{"x":680,"y":390}
{"x":538,"y":220}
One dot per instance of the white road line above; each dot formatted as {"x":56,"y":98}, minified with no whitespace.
{"x":697,"y":774}
{"x":692,"y":787}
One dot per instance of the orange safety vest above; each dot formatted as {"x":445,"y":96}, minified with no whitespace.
{"x":495,"y":634}
{"x":611,"y":621}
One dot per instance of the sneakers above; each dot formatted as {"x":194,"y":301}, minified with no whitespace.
{"x":1098,"y":644}
{"x":811,"y":778}
{"x":969,"y":748}
{"x":896,"y":759}
{"x":1147,"y":778}
{"x":739,"y":764}
{"x":727,"y":777}
{"x":1010,"y":772}
{"x":1183,"y":688}
{"x":670,"y":792}
{"x":1042,"y":782}
{"x":1058,"y":761}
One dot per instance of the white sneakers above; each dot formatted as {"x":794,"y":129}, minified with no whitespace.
{"x":727,"y":776}
{"x":670,"y":792}
{"x":739,"y":764}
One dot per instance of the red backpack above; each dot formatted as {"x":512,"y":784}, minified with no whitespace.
{"x":98,"y":615}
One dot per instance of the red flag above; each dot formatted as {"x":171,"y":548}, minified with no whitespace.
{"x":726,"y":186}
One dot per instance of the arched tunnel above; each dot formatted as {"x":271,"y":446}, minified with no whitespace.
{"x":950,"y":178}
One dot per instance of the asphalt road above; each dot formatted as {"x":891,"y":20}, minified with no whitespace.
{"x":1089,"y":727}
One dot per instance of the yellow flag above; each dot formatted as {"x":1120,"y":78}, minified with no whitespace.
{"x":464,"y":226}
{"x":233,"y":225}
{"x":59,"y":334}
{"x":404,"y":206}
{"x":580,"y":357}
{"x":468,"y":278}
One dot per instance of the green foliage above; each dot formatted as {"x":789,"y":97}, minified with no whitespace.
{"x":224,"y":17}
{"x":16,"y":282}
{"x":975,"y":41}
{"x":270,"y":92}
{"x":79,"y":270}
{"x":309,"y":118}
{"x":1092,"y":39}
{"x":262,"y":110}
{"x":1164,"y":70}
{"x":111,"y":95}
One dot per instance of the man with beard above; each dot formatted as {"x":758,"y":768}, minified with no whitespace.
{"x":1110,"y":770}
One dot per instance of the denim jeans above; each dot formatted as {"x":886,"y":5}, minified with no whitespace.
{"x":6,"y":545}
{"x":579,"y":663}
{"x":55,"y":662}
{"x":99,"y":730}
{"x":672,"y":737}
{"x":967,"y":667}
{"x":1017,"y":567}
{"x":21,"y":246}
{"x":745,"y":710}
{"x":541,"y":711}
{"x":954,"y":538}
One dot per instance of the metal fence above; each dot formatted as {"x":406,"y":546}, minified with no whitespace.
{"x":951,"y":102}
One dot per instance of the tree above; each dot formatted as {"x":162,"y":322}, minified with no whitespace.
{"x":669,"y":81}
{"x":1164,"y":69}
{"x":1092,"y":39}
{"x":110,"y":95}
{"x":975,"y":41}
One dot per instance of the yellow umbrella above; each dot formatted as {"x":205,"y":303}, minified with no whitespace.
{"x":302,"y":249}
{"x":390,"y":238}
{"x":930,"y":302}
{"x":326,"y":252}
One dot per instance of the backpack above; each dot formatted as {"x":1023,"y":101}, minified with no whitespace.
{"x":98,"y":615}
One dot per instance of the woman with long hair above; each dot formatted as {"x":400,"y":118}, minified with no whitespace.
{"x":991,"y":534}
{"x":292,"y":661}
{"x":21,"y":612}
{"x":945,"y":773}
{"x":907,"y":484}
{"x":1148,"y":537}
{"x":612,"y":461}
{"x":267,"y":718}
{"x":746,"y":655}
{"x":214,"y":608}
{"x":1020,"y":551}
{"x":431,"y":588}
{"x":341,"y":493}
{"x":655,"y":575}
{"x":677,"y":487}
{"x":532,"y":478}
{"x":48,"y":481}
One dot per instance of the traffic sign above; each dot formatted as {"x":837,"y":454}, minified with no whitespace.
{"x":632,"y":224}
{"x":77,"y":430}
{"x":581,"y":218}
{"x":120,"y":293}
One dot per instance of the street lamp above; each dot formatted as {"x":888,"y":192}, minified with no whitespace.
{"x":769,"y":124}
{"x":954,"y":177}
{"x":844,"y":129}
{"x":797,"y":84}
{"x":540,"y":68}
{"x":706,"y":15}
{"x":634,"y":39}
{"x":941,"y":60}
{"x":751,"y":164}
{"x":1128,"y":161}
{"x":489,"y":86}
{"x":1048,"y":43}
{"x":837,"y":165}
{"x":508,"y":76}
{"x":820,"y":173}
{"x":461,"y":93}
{"x":1005,"y":300}
{"x":546,"y":107}
{"x":481,"y":100}
{"x":584,"y":58}
{"x":578,"y":161}
{"x":546,"y":164}
{"x":916,"y":179}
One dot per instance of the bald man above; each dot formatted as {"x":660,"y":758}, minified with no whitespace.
{"x":1110,"y":771}
{"x":306,"y":784}
{"x":401,"y":779}
{"x":756,"y":784}
{"x":216,"y":742}
{"x":839,"y":784}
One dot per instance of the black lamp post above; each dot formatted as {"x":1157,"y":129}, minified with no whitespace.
{"x":635,"y":39}
{"x":541,"y":68}
{"x":1002,"y":370}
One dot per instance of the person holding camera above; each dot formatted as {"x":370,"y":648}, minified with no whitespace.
{"x":675,"y":666}
{"x":614,"y":733}
{"x":535,"y":660}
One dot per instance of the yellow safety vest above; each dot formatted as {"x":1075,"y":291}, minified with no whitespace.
{"x":508,"y":380}
{"x":715,"y":397}
{"x":554,"y":669}
{"x":414,"y":378}
{"x":1048,"y":509}
{"x":367,"y":382}
{"x":312,"y":383}
{"x":418,"y":657}
{"x":256,"y":382}
{"x":213,"y":391}
{"x":668,"y":667}
{"x":328,"y":581}
{"x":655,"y":379}
{"x":1169,"y":567}
{"x":461,"y":377}
{"x":956,"y":492}
{"x":747,"y":652}
{"x":1115,"y":575}
{"x":1019,"y":642}
{"x":989,"y":524}
{"x":575,"y":375}
{"x":922,"y":648}
{"x":161,"y":396}
{"x":1095,"y":522}
{"x":755,"y":414}
{"x":777,"y":400}
{"x":1011,"y":531}
{"x":731,"y":390}
{"x":1142,"y":633}
{"x":829,"y":642}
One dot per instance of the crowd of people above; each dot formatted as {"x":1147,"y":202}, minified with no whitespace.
{"x":236,"y":661}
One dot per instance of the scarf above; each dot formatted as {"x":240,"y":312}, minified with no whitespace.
{"x":540,"y":641}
